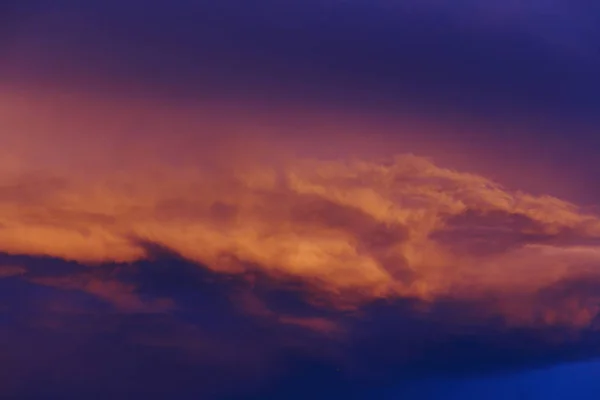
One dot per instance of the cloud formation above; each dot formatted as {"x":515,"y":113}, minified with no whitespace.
{"x":221,"y":253}
{"x":358,"y":230}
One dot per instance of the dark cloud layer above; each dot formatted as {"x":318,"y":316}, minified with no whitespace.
{"x":67,"y":342}
{"x":488,"y":56}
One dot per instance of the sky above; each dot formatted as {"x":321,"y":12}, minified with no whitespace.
{"x":320,"y":199}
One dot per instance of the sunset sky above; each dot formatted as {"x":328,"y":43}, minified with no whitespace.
{"x":301,"y":199}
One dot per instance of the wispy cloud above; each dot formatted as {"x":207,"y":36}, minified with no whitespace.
{"x":8,"y":271}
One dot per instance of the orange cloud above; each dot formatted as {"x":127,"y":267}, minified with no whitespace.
{"x":357,"y":228}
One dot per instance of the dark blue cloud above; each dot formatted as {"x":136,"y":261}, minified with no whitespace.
{"x":67,"y":342}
